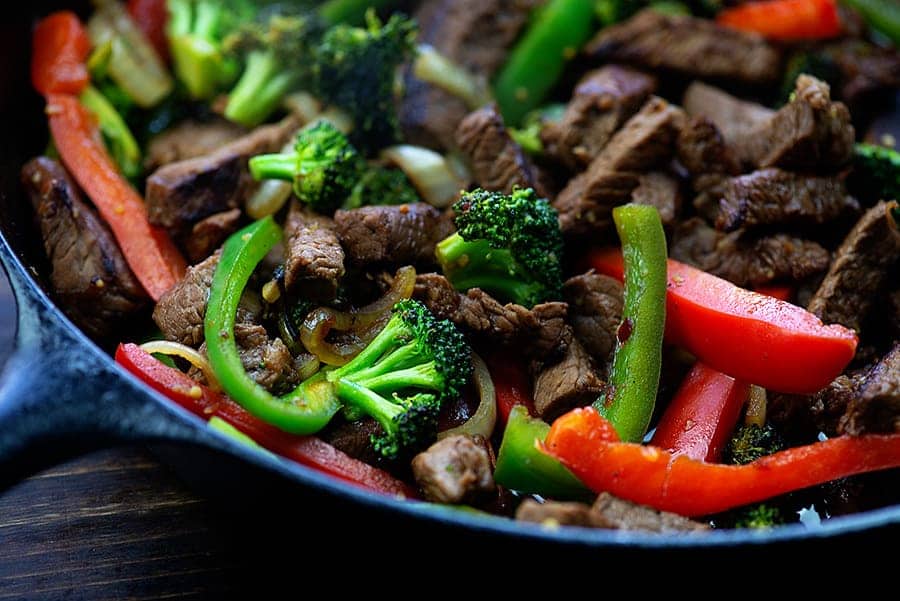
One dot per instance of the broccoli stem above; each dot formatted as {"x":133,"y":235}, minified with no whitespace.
{"x":274,"y":166}
{"x":385,"y":339}
{"x":419,"y":376}
{"x":370,"y":402}
{"x":259,"y":90}
{"x":400,"y":358}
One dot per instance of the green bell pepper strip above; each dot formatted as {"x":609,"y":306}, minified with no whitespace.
{"x":523,"y":468}
{"x":555,"y":35}
{"x":883,"y":15}
{"x":307,"y":408}
{"x":634,"y":377}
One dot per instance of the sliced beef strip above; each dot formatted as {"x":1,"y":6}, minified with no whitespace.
{"x":866,"y":70}
{"x":776,"y":197}
{"x":799,"y":418}
{"x":569,"y":383}
{"x":595,"y":310}
{"x":646,"y":141}
{"x":810,"y":133}
{"x":607,"y":512}
{"x":210,"y":233}
{"x":702,"y":150}
{"x":190,"y":139}
{"x":860,"y":268}
{"x":180,"y":312}
{"x":454,"y":470}
{"x":690,"y":46}
{"x":736,"y":119}
{"x":746,"y":259}
{"x":875,"y":408}
{"x":475,"y":34}
{"x":659,"y":190}
{"x":403,"y":234}
{"x":353,"y":438}
{"x":181,"y":194}
{"x":89,"y":275}
{"x":601,"y":103}
{"x":541,"y":332}
{"x":498,"y":163}
{"x":314,"y":261}
{"x":268,"y":361}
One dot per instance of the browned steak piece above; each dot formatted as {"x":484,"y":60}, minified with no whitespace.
{"x":498,"y":163}
{"x":268,"y":361}
{"x":875,"y":408}
{"x":801,"y":417}
{"x":595,"y":310}
{"x":607,"y":512}
{"x":180,"y":312}
{"x":314,"y":258}
{"x":602,"y":101}
{"x":659,"y":190}
{"x":646,"y":141}
{"x":89,"y":276}
{"x":866,"y":70}
{"x":190,"y":139}
{"x":454,"y":470}
{"x":702,"y":150}
{"x":210,"y":233}
{"x":772,"y":196}
{"x":691,"y":46}
{"x":475,"y":34}
{"x":736,"y":119}
{"x":809,"y":133}
{"x":860,"y":268}
{"x":569,"y":383}
{"x":541,"y":332}
{"x":181,"y":194}
{"x":353,"y":438}
{"x":746,"y":259}
{"x":403,"y":234}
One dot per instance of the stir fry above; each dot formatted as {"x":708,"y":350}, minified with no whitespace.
{"x":609,"y":264}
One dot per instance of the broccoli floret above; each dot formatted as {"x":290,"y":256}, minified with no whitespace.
{"x":758,"y":516}
{"x":750,"y":442}
{"x":404,"y":376}
{"x":279,"y":54}
{"x":196,"y":31}
{"x":508,"y":245}
{"x":324,"y":167}
{"x":355,"y":70}
{"x":381,"y":186}
{"x":876,"y":173}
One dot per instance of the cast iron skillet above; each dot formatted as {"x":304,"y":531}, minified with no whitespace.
{"x":61,"y":395}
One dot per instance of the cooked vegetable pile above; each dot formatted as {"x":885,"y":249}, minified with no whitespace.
{"x":613,"y":264}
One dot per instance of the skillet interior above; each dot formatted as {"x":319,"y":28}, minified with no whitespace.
{"x":23,"y":132}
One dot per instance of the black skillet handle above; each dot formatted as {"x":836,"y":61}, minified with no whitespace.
{"x":60,"y":396}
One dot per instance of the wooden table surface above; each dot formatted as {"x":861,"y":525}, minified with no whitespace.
{"x":113,"y":525}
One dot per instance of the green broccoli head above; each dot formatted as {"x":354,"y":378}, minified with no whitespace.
{"x":758,"y":516}
{"x":355,"y":70}
{"x":508,"y":245}
{"x":403,"y":377}
{"x":324,"y":166}
{"x":382,"y":186}
{"x":750,"y":442}
{"x":876,"y":173}
{"x":279,"y":53}
{"x":196,"y":31}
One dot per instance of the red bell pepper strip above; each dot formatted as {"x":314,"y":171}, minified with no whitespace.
{"x":780,"y":292}
{"x":587,"y":444}
{"x":60,"y":48}
{"x":785,"y":20}
{"x":749,"y":336}
{"x":701,"y":417}
{"x":151,"y":16}
{"x":205,"y":403}
{"x":150,"y":253}
{"x":511,"y":384}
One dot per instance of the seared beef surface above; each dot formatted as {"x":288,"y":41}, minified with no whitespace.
{"x":595,"y":310}
{"x":540,"y":332}
{"x":402,"y":234}
{"x":601,"y":103}
{"x":498,"y":163}
{"x":875,"y":408}
{"x":744,"y":258}
{"x":190,"y":139}
{"x":210,"y":233}
{"x":690,"y":46}
{"x":860,"y":268}
{"x":776,"y":197}
{"x":88,"y":275}
{"x":454,"y":470}
{"x":568,"y":383}
{"x":660,"y":190}
{"x":314,"y":259}
{"x":182,"y":193}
